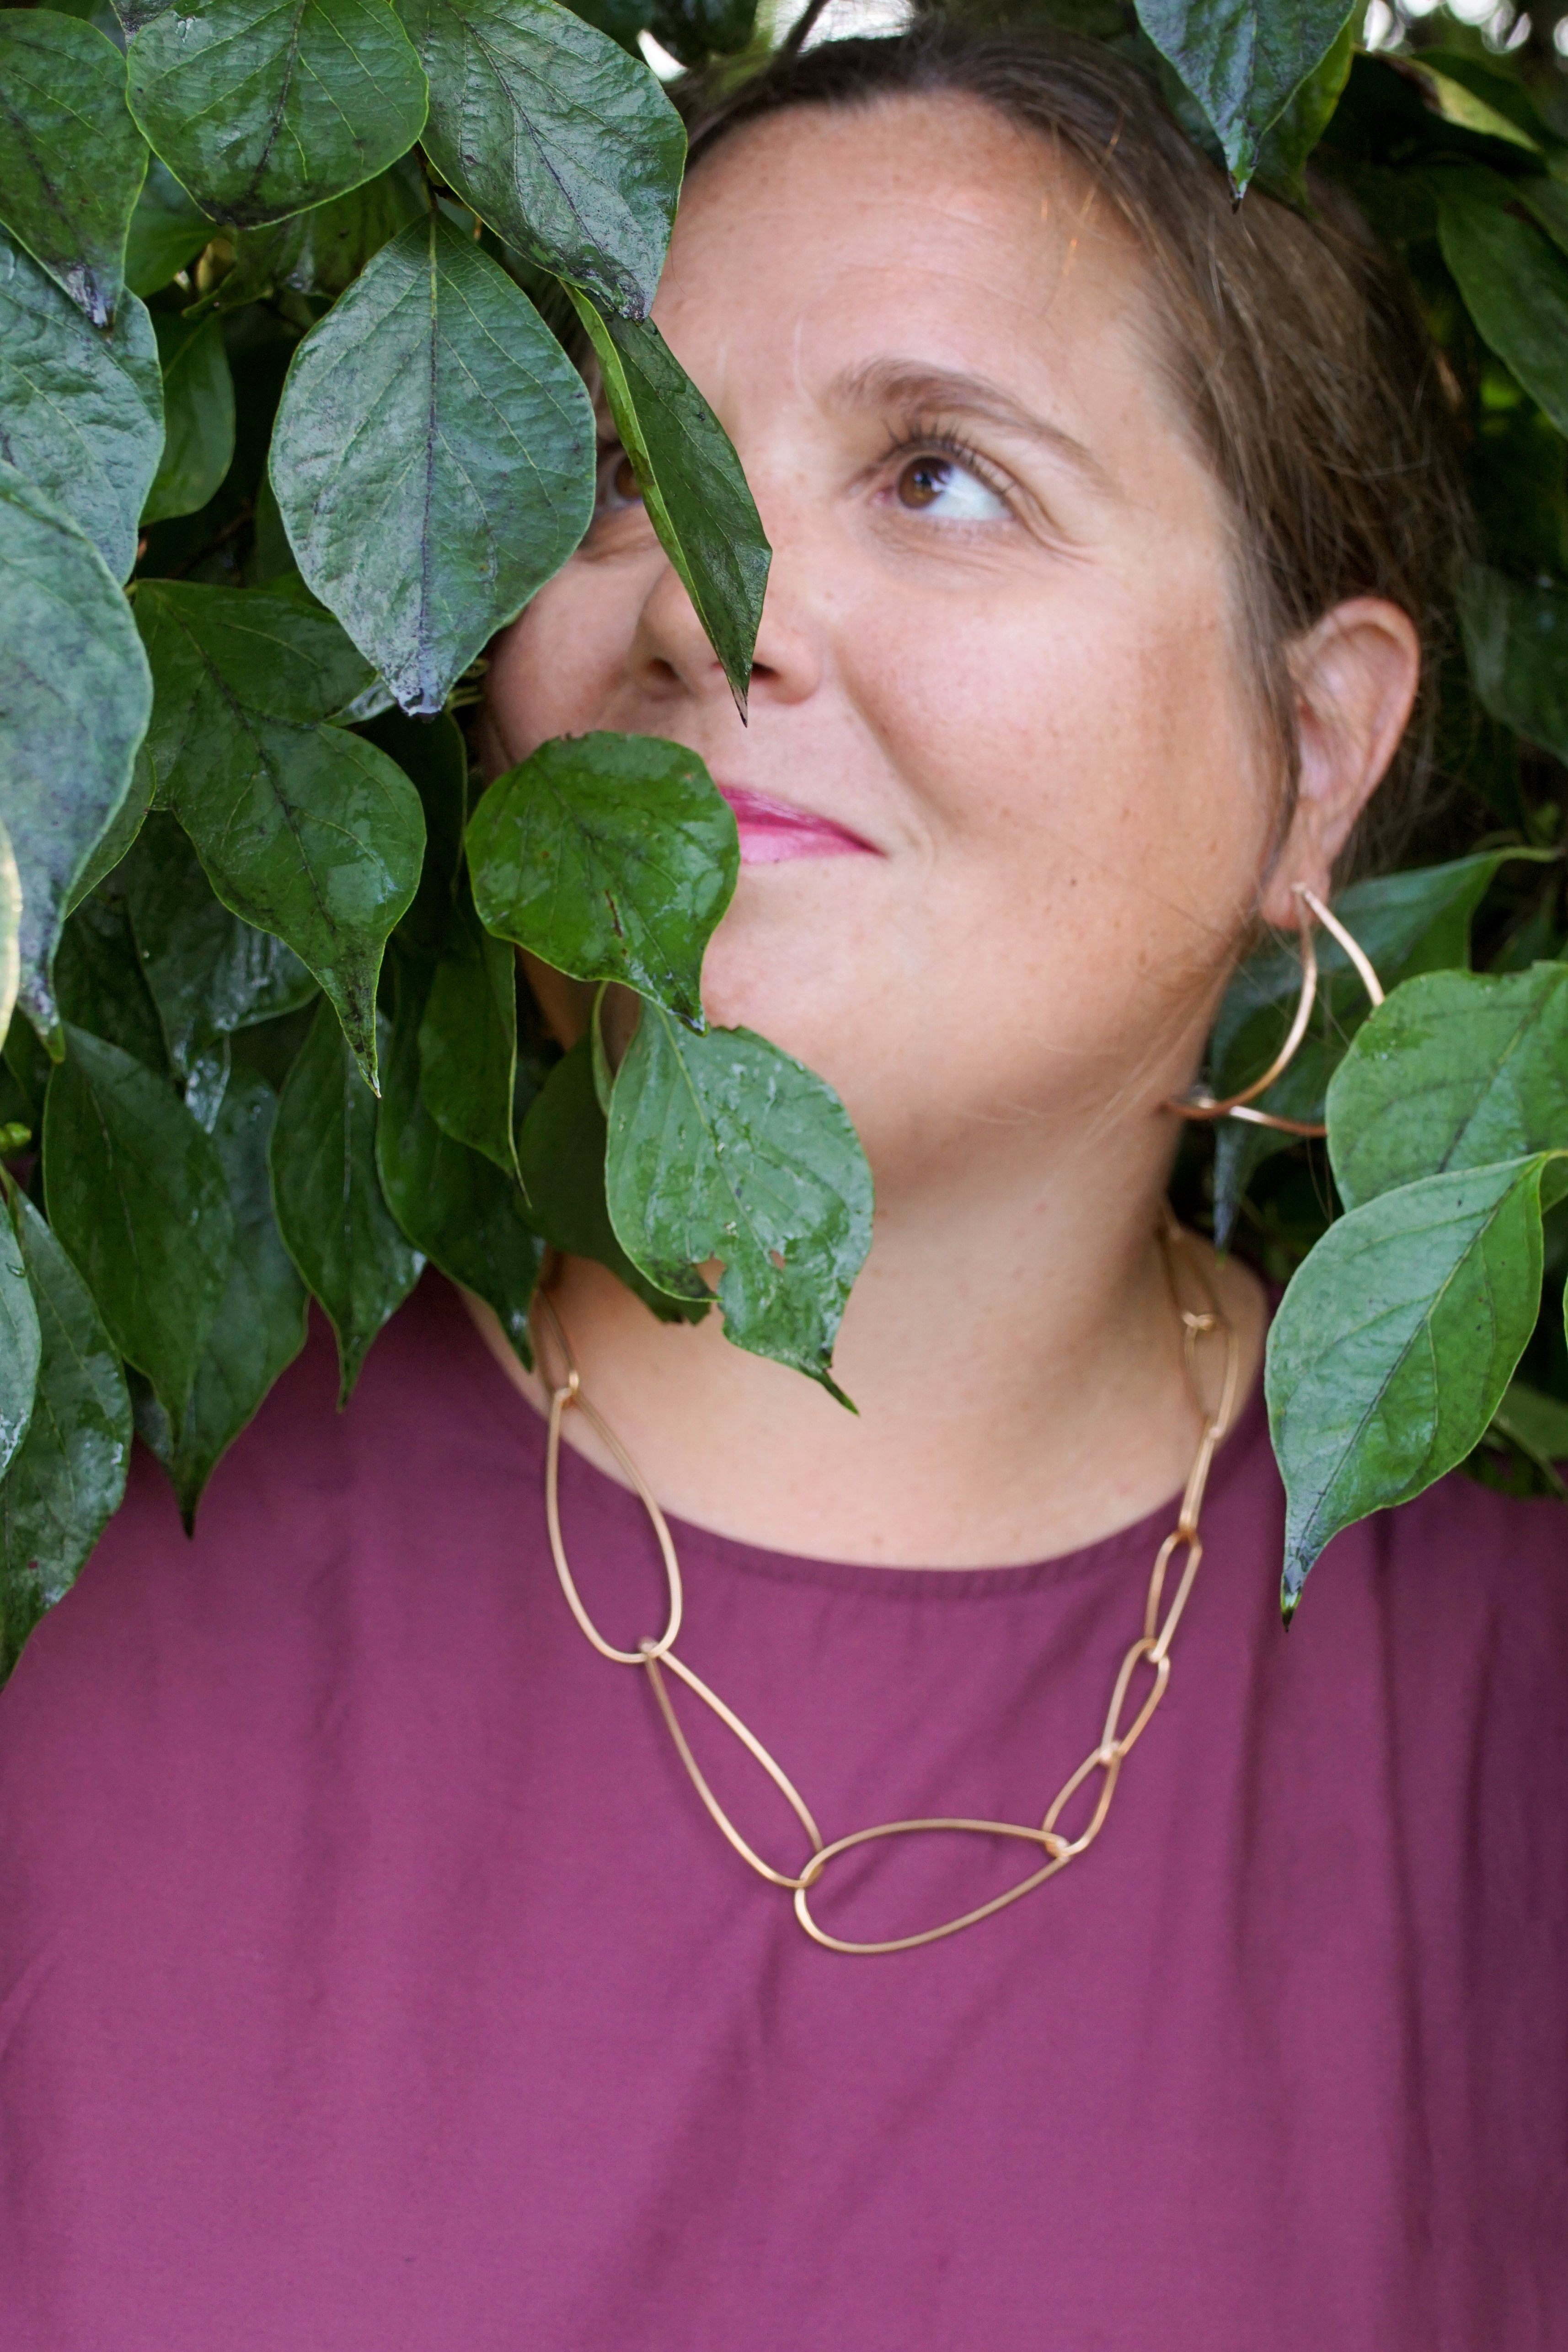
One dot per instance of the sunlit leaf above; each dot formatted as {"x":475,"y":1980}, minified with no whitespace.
{"x":1242,"y":60}
{"x":81,"y":409}
{"x":723,"y":1146}
{"x":434,"y":458}
{"x":691,"y":484}
{"x":1395,"y":1343}
{"x":71,"y":160}
{"x":611,"y":858}
{"x":261,"y":110}
{"x":198,"y":416}
{"x":351,"y":1253}
{"x":75,"y":691}
{"x":68,"y":1473}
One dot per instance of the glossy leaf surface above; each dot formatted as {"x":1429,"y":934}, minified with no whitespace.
{"x":198,"y":416}
{"x":68,"y":1473}
{"x":722,"y":1147}
{"x":1242,"y":60}
{"x":565,"y":144}
{"x":433,"y":458}
{"x":351,"y":1253}
{"x":611,"y":858}
{"x":691,"y":484}
{"x":1457,"y":1070}
{"x":1395,"y":1343}
{"x":260,"y":1324}
{"x":261,"y":110}
{"x":456,"y":1206}
{"x":81,"y":409}
{"x":71,"y":160}
{"x":75,"y":689}
{"x":304,"y":829}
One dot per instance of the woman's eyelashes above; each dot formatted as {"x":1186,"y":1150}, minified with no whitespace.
{"x":937,"y":477}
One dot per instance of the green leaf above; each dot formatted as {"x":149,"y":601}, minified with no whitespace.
{"x":304,"y":829}
{"x":432,"y":755}
{"x":20,"y":1348}
{"x":565,"y":144}
{"x":123,"y":827}
{"x":10,"y":932}
{"x":1517,"y":640}
{"x":1242,"y":60}
{"x":68,"y":1473}
{"x":695,"y":30}
{"x":434,"y":458}
{"x":723,"y":1146}
{"x":468,"y":1041}
{"x":198,"y":414}
{"x":456,"y":1206}
{"x":261,"y":110}
{"x":167,"y":231}
{"x":1485,"y":98}
{"x":1394,"y":1344}
{"x":621,"y":19}
{"x":1535,"y":1422}
{"x":560,"y":1151}
{"x":100,"y":983}
{"x":71,"y":160}
{"x":209,"y":972}
{"x":261,"y":1316}
{"x":1515,"y":286}
{"x":323,"y":251}
{"x":1287,"y":148}
{"x":691,"y":484}
{"x":75,"y":694}
{"x":1456,"y":1070}
{"x":611,"y":856}
{"x":335,"y":1223}
{"x":81,"y":412}
{"x":137,"y":1194}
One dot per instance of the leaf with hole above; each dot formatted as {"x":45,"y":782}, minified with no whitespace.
{"x":71,"y":160}
{"x":350,"y":1249}
{"x":694,"y":488}
{"x":432,"y":459}
{"x":68,"y":1474}
{"x":81,"y":409}
{"x":1457,"y":1069}
{"x":305,"y":830}
{"x":1242,"y":61}
{"x":76,"y":692}
{"x":261,"y":111}
{"x":1395,"y":1343}
{"x":198,"y":416}
{"x":565,"y":144}
{"x":611,"y":858}
{"x":723,"y":1146}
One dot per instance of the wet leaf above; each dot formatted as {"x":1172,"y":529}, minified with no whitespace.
{"x":68,"y":1473}
{"x":691,"y":484}
{"x":336,"y":1225}
{"x":1394,"y":1344}
{"x":565,"y":144}
{"x":611,"y":858}
{"x":433,"y":458}
{"x":1242,"y":61}
{"x":260,"y":110}
{"x":75,"y":688}
{"x":198,"y":416}
{"x":722,"y":1147}
{"x":304,"y":829}
{"x":71,"y":160}
{"x":81,"y":410}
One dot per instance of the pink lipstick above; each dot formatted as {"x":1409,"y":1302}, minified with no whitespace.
{"x":772,"y":831}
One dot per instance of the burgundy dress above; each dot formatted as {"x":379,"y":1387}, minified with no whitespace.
{"x":371,"y":1979}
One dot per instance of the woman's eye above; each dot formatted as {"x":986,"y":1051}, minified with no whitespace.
{"x":616,"y":483}
{"x":941,"y":486}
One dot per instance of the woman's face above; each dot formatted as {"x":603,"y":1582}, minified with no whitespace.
{"x":1004,"y":806}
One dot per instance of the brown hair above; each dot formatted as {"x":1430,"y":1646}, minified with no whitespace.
{"x":1296,"y":353}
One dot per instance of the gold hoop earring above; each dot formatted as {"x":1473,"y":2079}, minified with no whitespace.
{"x":1238,"y":1106}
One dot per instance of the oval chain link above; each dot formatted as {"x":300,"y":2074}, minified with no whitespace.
{"x":1152,"y":1649}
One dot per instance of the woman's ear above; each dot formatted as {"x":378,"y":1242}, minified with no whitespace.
{"x":1355,"y":675}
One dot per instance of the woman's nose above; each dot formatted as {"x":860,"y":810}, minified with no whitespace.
{"x":670,"y":658}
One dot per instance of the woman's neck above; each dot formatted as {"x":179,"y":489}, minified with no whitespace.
{"x":1015,"y":1358}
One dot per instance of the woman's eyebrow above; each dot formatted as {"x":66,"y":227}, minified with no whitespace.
{"x":906,"y":384}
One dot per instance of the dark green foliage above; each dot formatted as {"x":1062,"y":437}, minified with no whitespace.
{"x":198,"y":415}
{"x":1243,"y":61}
{"x":71,"y":160}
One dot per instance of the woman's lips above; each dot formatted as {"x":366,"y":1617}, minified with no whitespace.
{"x":771,"y":831}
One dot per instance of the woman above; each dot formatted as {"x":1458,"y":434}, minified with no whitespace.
{"x":374,"y":1976}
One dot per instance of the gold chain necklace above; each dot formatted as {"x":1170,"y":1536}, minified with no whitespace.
{"x":1150,"y":1651}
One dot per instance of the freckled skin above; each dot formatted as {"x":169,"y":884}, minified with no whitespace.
{"x":1027,"y":692}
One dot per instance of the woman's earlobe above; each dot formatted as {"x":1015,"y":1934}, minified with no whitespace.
{"x":1357,"y":673}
